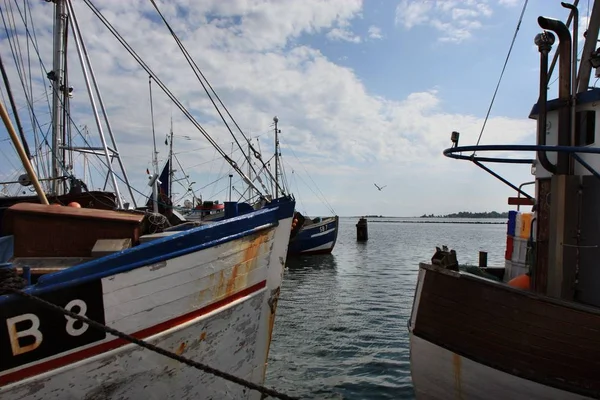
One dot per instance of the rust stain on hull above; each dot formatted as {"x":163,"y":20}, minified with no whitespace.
{"x":180,"y":349}
{"x":273,"y":309}
{"x":236,"y":279}
{"x":457,"y":367}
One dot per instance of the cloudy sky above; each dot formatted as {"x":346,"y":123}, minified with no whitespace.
{"x":365,"y":91}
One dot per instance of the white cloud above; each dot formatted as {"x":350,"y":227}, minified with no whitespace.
{"x":344,"y":135}
{"x":375,"y":32}
{"x":509,"y":3}
{"x":455,"y":20}
{"x":344,"y":35}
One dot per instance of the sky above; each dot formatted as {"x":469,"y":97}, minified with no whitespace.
{"x":365,"y":92}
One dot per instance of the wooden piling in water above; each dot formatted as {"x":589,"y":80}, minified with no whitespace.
{"x":483,"y":259}
{"x":362,"y":230}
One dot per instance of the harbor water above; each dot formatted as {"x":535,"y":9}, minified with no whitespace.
{"x":341,"y":325}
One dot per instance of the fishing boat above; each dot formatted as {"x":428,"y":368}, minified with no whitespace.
{"x":311,"y":236}
{"x":116,"y":304}
{"x":315,"y":236}
{"x":533,"y":333}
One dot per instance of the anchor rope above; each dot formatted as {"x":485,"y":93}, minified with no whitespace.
{"x":195,"y":364}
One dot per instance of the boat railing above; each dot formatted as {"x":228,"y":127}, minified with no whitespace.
{"x":521,"y":201}
{"x":456,"y":153}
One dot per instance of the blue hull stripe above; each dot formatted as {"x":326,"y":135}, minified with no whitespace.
{"x":162,"y":249}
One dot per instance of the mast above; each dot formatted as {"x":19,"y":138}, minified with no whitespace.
{"x":171,"y":170}
{"x":276,"y":191}
{"x":591,"y":37}
{"x":58,"y":92}
{"x":250,"y":189}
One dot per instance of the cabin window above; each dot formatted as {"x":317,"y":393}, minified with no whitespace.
{"x":585,"y":125}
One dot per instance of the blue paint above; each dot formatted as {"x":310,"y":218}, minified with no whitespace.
{"x":588,"y":96}
{"x":231,"y":209}
{"x":304,"y":241}
{"x":7,"y":244}
{"x":179,"y":244}
{"x":27,"y":274}
{"x":512,"y":221}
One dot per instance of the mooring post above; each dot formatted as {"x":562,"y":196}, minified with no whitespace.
{"x":483,"y":259}
{"x":362,"y":231}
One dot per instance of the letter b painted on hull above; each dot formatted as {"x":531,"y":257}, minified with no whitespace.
{"x":30,"y":332}
{"x":33,"y":331}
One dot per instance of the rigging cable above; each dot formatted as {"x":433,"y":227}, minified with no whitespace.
{"x":166,"y":90}
{"x":14,"y":108}
{"x":502,"y":73}
{"x":199,"y":74}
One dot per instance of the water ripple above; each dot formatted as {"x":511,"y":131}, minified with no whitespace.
{"x":340,"y":330}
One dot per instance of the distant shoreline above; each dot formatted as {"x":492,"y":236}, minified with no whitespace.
{"x":425,"y":221}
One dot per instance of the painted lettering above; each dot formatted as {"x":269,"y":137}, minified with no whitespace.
{"x":15,"y":335}
{"x":71,"y":330}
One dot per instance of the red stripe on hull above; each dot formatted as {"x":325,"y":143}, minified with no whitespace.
{"x":46,"y":366}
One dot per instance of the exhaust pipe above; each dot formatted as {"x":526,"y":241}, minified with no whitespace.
{"x":544,"y":42}
{"x":564,"y":89}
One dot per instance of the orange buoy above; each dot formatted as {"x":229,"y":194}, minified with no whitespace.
{"x":56,"y":204}
{"x":520,"y":282}
{"x":74,"y":204}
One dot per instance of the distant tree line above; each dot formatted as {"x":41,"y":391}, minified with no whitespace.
{"x":467,"y":214}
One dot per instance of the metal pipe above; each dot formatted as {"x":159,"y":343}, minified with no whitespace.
{"x":555,"y":58}
{"x":564,"y":87}
{"x":520,"y":188}
{"x":95,"y":111}
{"x":575,"y":14}
{"x":544,"y":41}
{"x":115,"y":149}
{"x":22,"y":155}
{"x":58,"y":94}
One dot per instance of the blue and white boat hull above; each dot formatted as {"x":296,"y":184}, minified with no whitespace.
{"x":208,"y":294}
{"x":315,"y":237}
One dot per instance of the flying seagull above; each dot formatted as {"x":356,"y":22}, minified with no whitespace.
{"x":379,"y":187}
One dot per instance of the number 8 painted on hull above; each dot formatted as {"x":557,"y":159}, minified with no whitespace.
{"x":71,"y":330}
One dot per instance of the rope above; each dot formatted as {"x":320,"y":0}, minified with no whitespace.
{"x":502,"y":73}
{"x":10,"y":280}
{"x":202,"y":367}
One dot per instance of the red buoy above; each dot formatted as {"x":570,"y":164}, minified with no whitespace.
{"x":520,"y":282}
{"x":74,"y":204}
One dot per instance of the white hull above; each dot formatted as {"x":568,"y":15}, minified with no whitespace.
{"x":439,"y":374}
{"x":215,"y":306}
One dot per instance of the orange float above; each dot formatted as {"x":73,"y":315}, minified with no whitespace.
{"x":74,"y":204}
{"x":56,"y":204}
{"x":520,"y":282}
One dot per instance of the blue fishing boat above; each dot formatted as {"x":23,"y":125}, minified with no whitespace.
{"x":315,"y":236}
{"x":309,"y":236}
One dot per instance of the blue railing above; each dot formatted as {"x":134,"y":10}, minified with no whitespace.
{"x":455,"y":152}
